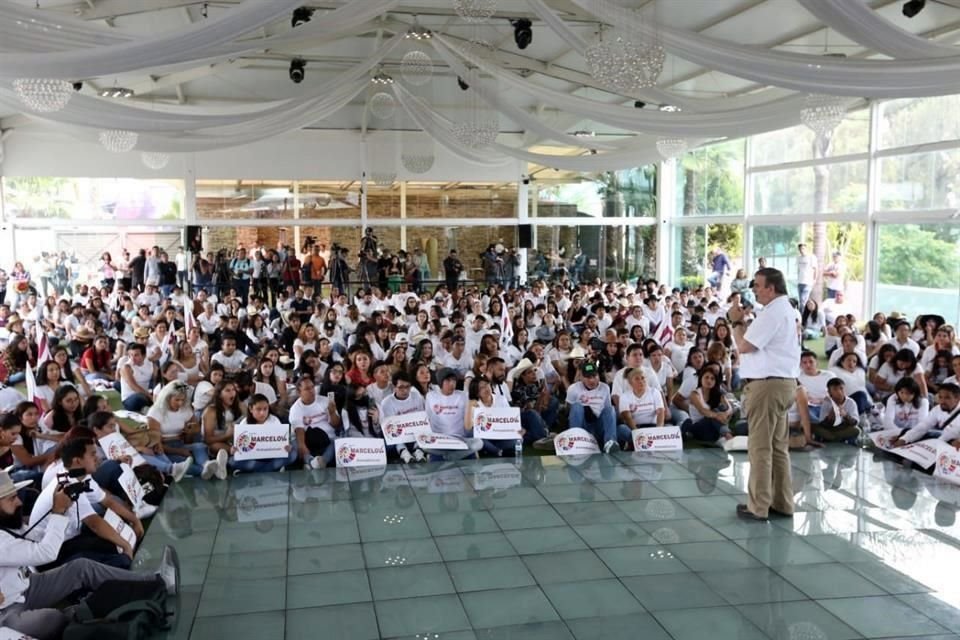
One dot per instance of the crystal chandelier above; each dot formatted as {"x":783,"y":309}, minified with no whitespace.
{"x":417,"y":67}
{"x":418,"y":32}
{"x":383,"y":105}
{"x":624,"y":65}
{"x":154,"y":159}
{"x":475,"y":11}
{"x":475,"y":134}
{"x":382,"y":78}
{"x":480,"y":125}
{"x":822,"y":113}
{"x":43,"y":95}
{"x":671,"y":148}
{"x":118,"y":140}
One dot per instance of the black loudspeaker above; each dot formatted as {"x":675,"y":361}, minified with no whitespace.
{"x":525,"y":236}
{"x":194,"y":239}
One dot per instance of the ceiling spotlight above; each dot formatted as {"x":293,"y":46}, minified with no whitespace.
{"x":382,"y":78}
{"x":522,"y":32}
{"x":418,"y":32}
{"x":297,"y":70}
{"x":115,"y":92}
{"x":670,"y":108}
{"x":78,"y":85}
{"x":913,"y":7}
{"x":639,"y":104}
{"x":462,"y":84}
{"x":301,"y":15}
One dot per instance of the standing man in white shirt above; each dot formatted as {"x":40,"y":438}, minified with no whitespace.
{"x":769,"y":366}
{"x":833,"y":276}
{"x":807,"y":270}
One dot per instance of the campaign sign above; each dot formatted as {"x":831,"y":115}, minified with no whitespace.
{"x":131,"y":486}
{"x":447,"y":481}
{"x":427,"y":441}
{"x":924,"y":453}
{"x":116,"y":447}
{"x":405,"y":428}
{"x":358,"y":474}
{"x":497,"y":476}
{"x":885,"y":439}
{"x":575,"y":442}
{"x":497,"y":423}
{"x":360,"y":452}
{"x":657,"y":439}
{"x":948,"y":463}
{"x":121,"y":527}
{"x":263,"y":499}
{"x":260,"y":441}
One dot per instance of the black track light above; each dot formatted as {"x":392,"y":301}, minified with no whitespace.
{"x":78,"y":85}
{"x":301,"y":15}
{"x":639,"y":104}
{"x":297,"y":70}
{"x":913,"y":7}
{"x":462,"y":84}
{"x":522,"y":32}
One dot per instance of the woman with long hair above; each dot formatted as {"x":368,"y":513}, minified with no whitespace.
{"x":15,"y":359}
{"x":259,"y":414}
{"x":812,"y":320}
{"x":423,"y":354}
{"x":709,"y":413}
{"x":65,"y":413}
{"x":360,"y":417}
{"x":480,"y":396}
{"x":219,"y":417}
{"x":906,"y":407}
{"x":28,"y":456}
{"x":171,"y":417}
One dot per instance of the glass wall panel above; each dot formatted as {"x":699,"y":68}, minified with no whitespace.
{"x":461,"y":200}
{"x":710,"y":180}
{"x":245,"y":199}
{"x":832,"y":188}
{"x":630,"y":193}
{"x":920,"y":181}
{"x":330,"y":199}
{"x":93,"y":198}
{"x":616,"y":252}
{"x":797,"y":143}
{"x":919,"y":269}
{"x":695,"y":248}
{"x":569,"y":199}
{"x":919,"y":120}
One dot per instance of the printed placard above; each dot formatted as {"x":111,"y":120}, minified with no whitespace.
{"x":121,"y":527}
{"x":116,"y":447}
{"x":924,"y":453}
{"x":266,"y":500}
{"x":357,"y":474}
{"x":497,"y":476}
{"x":131,"y":486}
{"x":657,"y":439}
{"x":428,"y":441}
{"x":948,"y":463}
{"x":405,"y":428}
{"x":736,"y":443}
{"x":360,"y":452}
{"x":576,"y":442}
{"x":261,"y":441}
{"x":497,"y":423}
{"x":6,"y":633}
{"x":885,"y":439}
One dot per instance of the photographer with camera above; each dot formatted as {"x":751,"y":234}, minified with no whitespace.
{"x":28,"y":599}
{"x":86,"y":535}
{"x":339,"y":269}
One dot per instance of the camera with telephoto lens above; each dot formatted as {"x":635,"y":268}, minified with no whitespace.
{"x":71,"y":485}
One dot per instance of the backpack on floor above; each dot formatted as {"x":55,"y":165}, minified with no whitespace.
{"x":121,"y":610}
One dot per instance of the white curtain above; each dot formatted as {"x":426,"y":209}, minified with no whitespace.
{"x":859,"y":22}
{"x":24,"y":29}
{"x":198,"y":43}
{"x":812,"y":74}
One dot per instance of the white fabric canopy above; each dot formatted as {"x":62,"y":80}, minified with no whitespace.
{"x":24,"y":29}
{"x":859,"y":22}
{"x":812,"y":74}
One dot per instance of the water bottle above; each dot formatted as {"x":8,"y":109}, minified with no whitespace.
{"x":518,"y":449}
{"x":863,"y":438}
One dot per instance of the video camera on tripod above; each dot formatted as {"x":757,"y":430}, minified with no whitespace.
{"x":71,"y":484}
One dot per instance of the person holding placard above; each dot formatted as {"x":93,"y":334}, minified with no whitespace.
{"x":360,"y":417}
{"x":314,"y":419}
{"x":480,"y":395}
{"x":258,"y":413}
{"x":591,"y":408}
{"x":641,"y":406}
{"x":404,"y":399}
{"x":906,"y":407}
{"x":943,"y":421}
{"x":445,"y":410}
{"x":218,"y":420}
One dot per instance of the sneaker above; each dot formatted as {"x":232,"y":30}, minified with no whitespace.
{"x":419,"y":455}
{"x":169,"y":570}
{"x":209,"y":469}
{"x":611,"y":446}
{"x":318,"y":462}
{"x":222,"y":457}
{"x":146,"y":511}
{"x":546,"y":444}
{"x":180,"y":469}
{"x":406,"y":456}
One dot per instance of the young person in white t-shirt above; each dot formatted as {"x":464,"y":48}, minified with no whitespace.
{"x":642,"y":405}
{"x":315,"y":421}
{"x":258,"y":413}
{"x":404,"y":399}
{"x":591,"y":408}
{"x":446,"y":407}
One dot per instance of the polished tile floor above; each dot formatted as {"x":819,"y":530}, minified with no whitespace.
{"x":626,"y":547}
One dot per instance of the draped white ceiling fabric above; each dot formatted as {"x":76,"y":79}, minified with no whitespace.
{"x":856,"y":20}
{"x":812,"y":74}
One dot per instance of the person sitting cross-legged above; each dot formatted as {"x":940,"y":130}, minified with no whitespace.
{"x":838,"y":415}
{"x":592,"y":409}
{"x":31,"y":599}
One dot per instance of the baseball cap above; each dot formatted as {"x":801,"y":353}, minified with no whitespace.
{"x":589,"y":369}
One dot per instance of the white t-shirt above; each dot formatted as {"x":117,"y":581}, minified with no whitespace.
{"x":266,"y":390}
{"x":597,"y":399}
{"x":142,"y":375}
{"x":904,"y":416}
{"x":171,"y":422}
{"x":678,"y":355}
{"x":909,"y":344}
{"x":233,"y":362}
{"x":806,"y":265}
{"x":82,"y":507}
{"x":312,"y":416}
{"x":446,"y":412}
{"x":621,"y":385}
{"x":643,"y":408}
{"x":853,"y":381}
{"x":390,"y":406}
{"x":816,"y":386}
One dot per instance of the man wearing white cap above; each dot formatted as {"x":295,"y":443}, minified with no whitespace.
{"x":29,"y":598}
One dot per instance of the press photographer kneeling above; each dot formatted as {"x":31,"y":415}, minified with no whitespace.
{"x":28,"y":599}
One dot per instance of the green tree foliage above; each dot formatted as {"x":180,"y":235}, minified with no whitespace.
{"x":919,"y":256}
